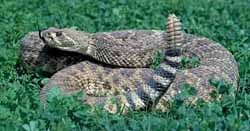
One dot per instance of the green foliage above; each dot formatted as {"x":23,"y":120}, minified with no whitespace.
{"x":192,"y":62}
{"x":158,"y":58}
{"x":224,"y":21}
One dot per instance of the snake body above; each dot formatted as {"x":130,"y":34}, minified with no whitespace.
{"x":215,"y":63}
{"x":128,"y":48}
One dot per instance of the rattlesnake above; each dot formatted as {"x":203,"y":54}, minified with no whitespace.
{"x":215,"y":62}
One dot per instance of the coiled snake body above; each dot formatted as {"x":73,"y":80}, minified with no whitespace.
{"x":142,"y":86}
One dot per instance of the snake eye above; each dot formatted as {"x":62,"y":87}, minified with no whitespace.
{"x":58,"y":33}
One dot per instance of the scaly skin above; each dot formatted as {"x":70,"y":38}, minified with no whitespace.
{"x":130,"y":48}
{"x":209,"y":53}
{"x":120,"y":48}
{"x":215,"y":62}
{"x":136,"y":89}
{"x":94,"y":79}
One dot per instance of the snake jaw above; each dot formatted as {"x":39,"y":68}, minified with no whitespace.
{"x":48,"y":36}
{"x":57,"y":38}
{"x":64,"y":40}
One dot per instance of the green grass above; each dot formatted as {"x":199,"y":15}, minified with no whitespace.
{"x":225,"y":21}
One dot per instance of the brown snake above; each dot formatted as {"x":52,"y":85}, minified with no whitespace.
{"x":215,"y":63}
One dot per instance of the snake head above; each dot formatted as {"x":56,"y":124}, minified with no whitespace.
{"x":65,"y":39}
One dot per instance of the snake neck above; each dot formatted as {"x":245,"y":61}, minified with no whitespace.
{"x":91,"y":49}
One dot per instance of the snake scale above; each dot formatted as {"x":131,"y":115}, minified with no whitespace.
{"x":76,"y":70}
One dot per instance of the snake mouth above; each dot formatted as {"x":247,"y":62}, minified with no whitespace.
{"x":78,"y":49}
{"x":58,"y":39}
{"x":70,"y":49}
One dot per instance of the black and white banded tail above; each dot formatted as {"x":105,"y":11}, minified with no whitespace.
{"x":148,"y":96}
